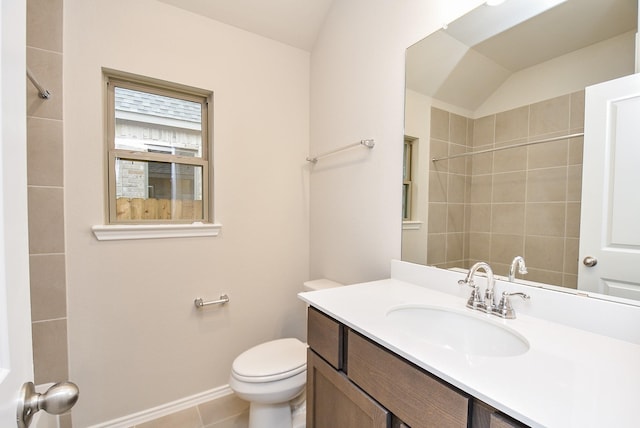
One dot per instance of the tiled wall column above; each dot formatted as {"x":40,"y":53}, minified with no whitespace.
{"x":521,"y":201}
{"x":46,"y":191}
{"x":449,"y":181}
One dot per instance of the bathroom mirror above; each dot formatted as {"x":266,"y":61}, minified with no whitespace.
{"x":506,"y":76}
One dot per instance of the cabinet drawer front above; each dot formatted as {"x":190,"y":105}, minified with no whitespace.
{"x":500,"y":421}
{"x":324,"y":335}
{"x":485,"y":416}
{"x":334,"y":402}
{"x":414,"y":396}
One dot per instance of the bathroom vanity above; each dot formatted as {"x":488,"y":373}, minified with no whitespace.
{"x":352,"y":381}
{"x":370,"y":365}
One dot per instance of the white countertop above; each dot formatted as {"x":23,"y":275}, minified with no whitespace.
{"x":568,"y":378}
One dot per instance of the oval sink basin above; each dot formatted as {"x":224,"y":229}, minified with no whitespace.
{"x":459,"y":331}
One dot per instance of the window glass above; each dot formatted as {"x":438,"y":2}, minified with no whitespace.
{"x":146,"y":122}
{"x":158,"y":191}
{"x":407,"y":175}
{"x":158,"y":166}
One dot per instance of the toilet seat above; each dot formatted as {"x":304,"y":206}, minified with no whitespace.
{"x":271,"y":361}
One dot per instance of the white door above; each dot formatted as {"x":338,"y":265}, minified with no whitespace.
{"x":16,"y":364}
{"x":610,"y":223}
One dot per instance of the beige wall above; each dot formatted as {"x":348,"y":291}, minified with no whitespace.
{"x":135,"y":339}
{"x":357,"y":91}
{"x":417,"y":125}
{"x":565,"y":74}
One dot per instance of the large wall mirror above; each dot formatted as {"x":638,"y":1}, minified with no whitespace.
{"x":507,"y":84}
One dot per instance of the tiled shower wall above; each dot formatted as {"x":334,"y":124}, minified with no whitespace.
{"x":45,"y":194}
{"x":520,"y":201}
{"x":449,"y":186}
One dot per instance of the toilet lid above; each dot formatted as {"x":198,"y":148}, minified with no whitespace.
{"x":271,"y":361}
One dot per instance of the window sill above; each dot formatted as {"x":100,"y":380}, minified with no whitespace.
{"x":411,"y":225}
{"x":116,"y":232}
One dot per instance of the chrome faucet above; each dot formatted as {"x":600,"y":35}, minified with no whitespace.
{"x":518,"y":262}
{"x":476,"y":301}
{"x":487,"y":303}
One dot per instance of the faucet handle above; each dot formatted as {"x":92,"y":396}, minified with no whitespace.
{"x":504,"y":308}
{"x":475,"y":300}
{"x":523,"y":295}
{"x":468,"y":282}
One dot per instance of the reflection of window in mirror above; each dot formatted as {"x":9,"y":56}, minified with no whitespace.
{"x":407,"y":176}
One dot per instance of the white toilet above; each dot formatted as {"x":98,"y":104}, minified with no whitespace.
{"x":271,"y":375}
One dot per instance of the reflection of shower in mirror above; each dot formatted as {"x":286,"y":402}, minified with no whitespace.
{"x":507,"y":86}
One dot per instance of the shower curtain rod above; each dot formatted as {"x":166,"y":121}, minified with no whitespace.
{"x":367,"y":143}
{"x":42,"y":92}
{"x":545,"y":140}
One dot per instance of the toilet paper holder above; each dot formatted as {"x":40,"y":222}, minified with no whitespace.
{"x":200,"y":303}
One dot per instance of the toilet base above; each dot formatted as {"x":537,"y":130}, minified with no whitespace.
{"x":270,"y":415}
{"x":299,"y":415}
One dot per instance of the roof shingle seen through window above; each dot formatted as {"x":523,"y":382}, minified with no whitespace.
{"x":156,"y":105}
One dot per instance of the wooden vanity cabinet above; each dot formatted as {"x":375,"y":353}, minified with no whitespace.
{"x":485,"y":416}
{"x":332,"y":399}
{"x":353,"y":382}
{"x":414,"y":396}
{"x":325,"y":337}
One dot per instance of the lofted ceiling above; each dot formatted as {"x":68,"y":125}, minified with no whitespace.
{"x":441,"y":64}
{"x":292,"y":22}
{"x":573,"y":25}
{"x":465,"y":63}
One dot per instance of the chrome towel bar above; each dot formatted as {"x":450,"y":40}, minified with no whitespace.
{"x":370,"y":144}
{"x":42,"y":92}
{"x":495,"y":149}
{"x":199,"y":303}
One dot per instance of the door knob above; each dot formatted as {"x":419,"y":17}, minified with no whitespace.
{"x":58,"y":399}
{"x":590,"y":261}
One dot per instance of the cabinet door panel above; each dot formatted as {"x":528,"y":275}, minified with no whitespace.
{"x":333,"y":401}
{"x":414,"y":396}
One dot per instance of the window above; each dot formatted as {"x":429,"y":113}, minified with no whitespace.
{"x":158,"y":149}
{"x":407,"y":174}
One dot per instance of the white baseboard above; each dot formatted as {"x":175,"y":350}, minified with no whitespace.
{"x":166,"y":409}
